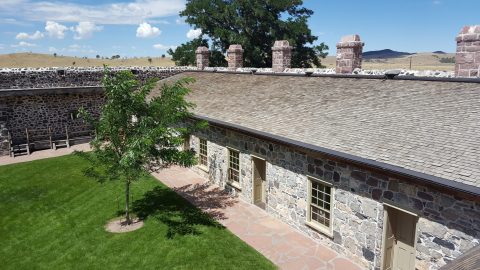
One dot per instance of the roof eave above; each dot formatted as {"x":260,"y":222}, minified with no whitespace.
{"x":421,"y":177}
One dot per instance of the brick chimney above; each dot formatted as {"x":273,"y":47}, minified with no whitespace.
{"x":202,"y":53}
{"x":235,"y":56}
{"x":349,"y":54}
{"x":281,"y":55}
{"x":467,"y":59}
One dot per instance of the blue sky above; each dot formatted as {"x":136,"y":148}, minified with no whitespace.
{"x":150,"y":27}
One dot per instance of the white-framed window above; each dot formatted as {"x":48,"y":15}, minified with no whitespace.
{"x":203,"y":153}
{"x":320,"y":199}
{"x":233,"y":166}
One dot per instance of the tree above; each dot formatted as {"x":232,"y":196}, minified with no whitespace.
{"x":256,"y":25}
{"x":54,"y":54}
{"x":149,"y":60}
{"x":184,"y":55}
{"x":98,"y":56}
{"x":136,"y":135}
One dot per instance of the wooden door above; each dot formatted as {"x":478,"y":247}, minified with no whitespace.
{"x":399,"y":250}
{"x":259,"y":172}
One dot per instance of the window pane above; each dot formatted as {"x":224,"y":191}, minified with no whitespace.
{"x":320,"y":203}
{"x":203,"y":154}
{"x":234,"y":165}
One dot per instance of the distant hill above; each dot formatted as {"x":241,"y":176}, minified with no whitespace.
{"x":48,"y":60}
{"x":439,"y":52}
{"x":384,"y":54}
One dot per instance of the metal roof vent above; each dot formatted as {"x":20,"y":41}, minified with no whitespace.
{"x":391,"y":74}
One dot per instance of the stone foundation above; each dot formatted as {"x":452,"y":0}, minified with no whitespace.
{"x":447,"y":226}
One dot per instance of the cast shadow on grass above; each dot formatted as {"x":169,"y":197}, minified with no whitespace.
{"x":180,"y":216}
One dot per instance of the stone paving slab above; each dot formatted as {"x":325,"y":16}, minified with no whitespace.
{"x":284,"y":246}
{"x":5,"y":160}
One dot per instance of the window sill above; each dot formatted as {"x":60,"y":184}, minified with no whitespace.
{"x":235,"y":185}
{"x":203,"y":168}
{"x":327,"y":232}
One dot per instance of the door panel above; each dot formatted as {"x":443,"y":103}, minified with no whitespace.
{"x":259,"y":172}
{"x":399,"y":250}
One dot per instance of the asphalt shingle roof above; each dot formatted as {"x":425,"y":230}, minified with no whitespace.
{"x":431,"y":127}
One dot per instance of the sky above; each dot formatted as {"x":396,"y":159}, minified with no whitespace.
{"x":132,"y":28}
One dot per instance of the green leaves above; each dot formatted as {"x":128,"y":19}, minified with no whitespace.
{"x":256,"y":25}
{"x":136,"y":135}
{"x":184,"y":55}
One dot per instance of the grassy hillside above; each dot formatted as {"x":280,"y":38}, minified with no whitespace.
{"x":48,"y":60}
{"x":420,"y":61}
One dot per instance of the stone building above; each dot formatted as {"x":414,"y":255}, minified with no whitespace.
{"x":386,"y":172}
{"x":383,"y":169}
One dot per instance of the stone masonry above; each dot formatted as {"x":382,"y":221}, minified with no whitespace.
{"x":202,"y":54}
{"x":448,"y":226}
{"x":349,"y":54}
{"x":73,"y":77}
{"x":20,"y":109}
{"x":467,"y":59}
{"x":235,"y":56}
{"x":54,"y":111}
{"x":281,"y":55}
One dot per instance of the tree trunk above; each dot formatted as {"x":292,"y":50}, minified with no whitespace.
{"x":127,"y":202}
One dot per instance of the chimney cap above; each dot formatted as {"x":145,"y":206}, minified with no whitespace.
{"x":201,"y":49}
{"x":350,"y":41}
{"x":235,"y":48}
{"x":469,"y":33}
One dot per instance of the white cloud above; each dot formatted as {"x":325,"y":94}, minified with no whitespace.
{"x":164,"y":47}
{"x":180,"y":21}
{"x":52,"y":49}
{"x":131,"y":12}
{"x":23,"y":44}
{"x":79,"y":49}
{"x":85,"y":30}
{"x":145,"y":30}
{"x":2,"y":47}
{"x":34,"y":36}
{"x":194,"y":33}
{"x":55,"y":29}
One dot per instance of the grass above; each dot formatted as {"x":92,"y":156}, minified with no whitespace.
{"x":53,"y":217}
{"x":48,"y":60}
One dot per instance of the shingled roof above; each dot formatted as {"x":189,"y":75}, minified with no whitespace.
{"x":430,"y":127}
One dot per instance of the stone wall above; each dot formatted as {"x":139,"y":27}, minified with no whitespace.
{"x":27,"y":78}
{"x":45,"y":111}
{"x":447,"y":225}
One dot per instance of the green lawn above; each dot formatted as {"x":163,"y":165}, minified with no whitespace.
{"x":53,"y":217}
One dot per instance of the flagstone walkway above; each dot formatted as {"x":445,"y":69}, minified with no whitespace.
{"x":284,"y":246}
{"x":5,"y":160}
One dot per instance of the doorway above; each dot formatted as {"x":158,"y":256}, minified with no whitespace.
{"x":259,"y":177}
{"x":399,"y":239}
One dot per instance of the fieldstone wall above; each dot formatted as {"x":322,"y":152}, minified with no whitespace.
{"x":447,"y":226}
{"x":45,"y":111}
{"x":26,"y":78}
{"x":3,"y":129}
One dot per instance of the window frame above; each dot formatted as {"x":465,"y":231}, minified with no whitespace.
{"x":200,"y":165}
{"x":328,"y":231}
{"x":233,"y":183}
